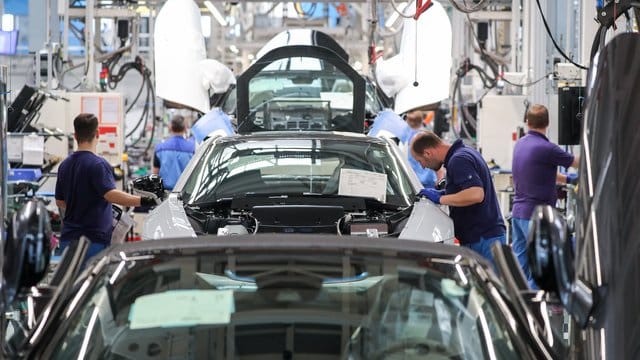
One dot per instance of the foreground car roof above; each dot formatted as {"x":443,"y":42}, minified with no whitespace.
{"x":265,"y":242}
{"x":337,"y":285}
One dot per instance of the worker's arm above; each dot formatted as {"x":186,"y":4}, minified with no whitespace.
{"x":156,"y":164}
{"x":61,"y":204}
{"x":561,"y":178}
{"x":466,"y":197}
{"x":576,"y":161}
{"x":122,"y":198}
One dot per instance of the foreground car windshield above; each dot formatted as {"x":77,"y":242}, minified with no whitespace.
{"x":297,"y":167}
{"x":252,"y":305}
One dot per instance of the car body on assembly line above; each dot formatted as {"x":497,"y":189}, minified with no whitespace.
{"x":303,"y":182}
{"x":300,"y":162}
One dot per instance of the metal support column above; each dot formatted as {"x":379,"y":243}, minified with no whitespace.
{"x":89,"y":36}
{"x":65,"y":30}
{"x":4,"y":167}
{"x":516,"y":37}
{"x":589,"y":29}
{"x":48,"y":46}
{"x":536,"y":54}
{"x":459,"y":41}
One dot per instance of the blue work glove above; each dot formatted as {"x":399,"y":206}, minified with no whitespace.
{"x":572,"y":178}
{"x":432,"y":194}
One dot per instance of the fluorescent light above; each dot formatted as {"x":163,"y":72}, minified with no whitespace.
{"x":392,"y":19}
{"x":234,"y":49}
{"x":216,"y":14}
{"x":205,"y":24}
{"x":8,"y":22}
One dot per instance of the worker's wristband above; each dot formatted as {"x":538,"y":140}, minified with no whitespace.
{"x":147,"y":201}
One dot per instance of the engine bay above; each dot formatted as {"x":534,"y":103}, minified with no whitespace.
{"x":325,"y":216}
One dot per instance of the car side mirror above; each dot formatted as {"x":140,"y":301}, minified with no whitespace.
{"x":27,"y":251}
{"x":551,"y":260}
{"x":149,"y":185}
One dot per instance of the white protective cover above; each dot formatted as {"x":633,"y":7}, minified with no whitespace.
{"x":285,"y":38}
{"x":428,"y":222}
{"x":216,"y":75}
{"x":397,"y":74}
{"x":179,"y":50}
{"x":167,"y":220}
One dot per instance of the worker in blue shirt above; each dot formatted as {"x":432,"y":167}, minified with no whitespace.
{"x":172,"y":155}
{"x":469,"y":193}
{"x":427,"y":177}
{"x":86,"y":188}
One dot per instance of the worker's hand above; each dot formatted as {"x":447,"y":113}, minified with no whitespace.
{"x":148,"y":201}
{"x":432,"y":194}
{"x":572,"y":178}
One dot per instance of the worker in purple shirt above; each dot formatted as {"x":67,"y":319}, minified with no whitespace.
{"x":535,"y":174}
{"x":469,"y":193}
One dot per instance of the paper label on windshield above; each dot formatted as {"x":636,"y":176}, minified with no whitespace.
{"x":363,"y":183}
{"x":420,"y":314}
{"x":182,"y":308}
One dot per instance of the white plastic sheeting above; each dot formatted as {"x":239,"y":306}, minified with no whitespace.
{"x":167,"y":220}
{"x":216,"y":75}
{"x":433,"y":51}
{"x":179,"y":49}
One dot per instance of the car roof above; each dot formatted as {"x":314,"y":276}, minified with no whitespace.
{"x":299,"y":242}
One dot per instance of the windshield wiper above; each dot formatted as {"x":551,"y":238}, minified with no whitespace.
{"x":369,"y":201}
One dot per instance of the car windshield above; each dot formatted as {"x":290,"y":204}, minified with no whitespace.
{"x":297,"y":167}
{"x":291,"y":305}
{"x":301,"y":93}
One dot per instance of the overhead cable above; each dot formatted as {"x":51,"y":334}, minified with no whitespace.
{"x":526,"y":84}
{"x":469,"y":9}
{"x":400,"y":12}
{"x":546,"y":26}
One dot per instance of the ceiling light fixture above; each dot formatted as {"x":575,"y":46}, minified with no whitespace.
{"x":392,"y":19}
{"x":216,"y":14}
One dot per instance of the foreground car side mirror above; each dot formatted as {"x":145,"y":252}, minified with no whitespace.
{"x":27,"y":251}
{"x":149,"y":185}
{"x":551,"y":259}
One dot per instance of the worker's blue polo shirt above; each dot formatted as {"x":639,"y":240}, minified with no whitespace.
{"x":465,"y":169}
{"x":83,"y":179}
{"x":534,"y":167}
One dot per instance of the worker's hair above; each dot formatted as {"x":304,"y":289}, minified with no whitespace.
{"x":425,"y":140}
{"x":415,"y":115}
{"x":538,"y":116}
{"x":177,"y":124}
{"x":85,"y":126}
